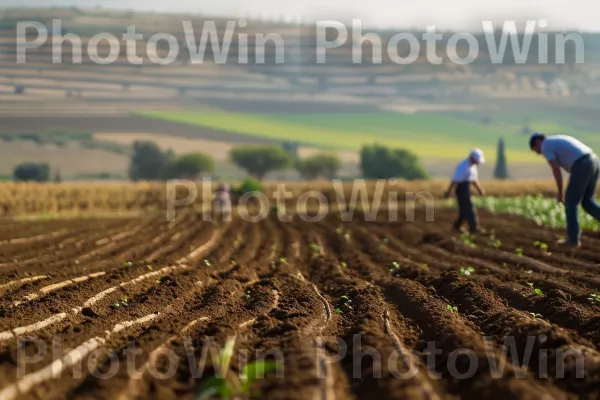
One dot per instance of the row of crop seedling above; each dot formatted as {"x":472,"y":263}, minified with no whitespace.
{"x":544,"y":211}
{"x":469,"y":241}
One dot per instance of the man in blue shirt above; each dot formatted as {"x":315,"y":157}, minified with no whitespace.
{"x":562,"y":151}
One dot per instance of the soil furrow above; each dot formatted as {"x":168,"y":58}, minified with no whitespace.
{"x":353,"y":309}
{"x":86,"y":305}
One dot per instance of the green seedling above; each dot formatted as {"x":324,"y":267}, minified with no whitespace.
{"x":467,"y":271}
{"x":519,"y":251}
{"x":594,"y":298}
{"x":343,"y":264}
{"x":542,"y":246}
{"x":504,"y":265}
{"x":315,"y":248}
{"x":385,"y":240}
{"x":337,"y":310}
{"x":497,"y":243}
{"x":467,"y":240}
{"x":283,"y":260}
{"x":253,"y":371}
{"x":395,"y":267}
{"x":122,"y":303}
{"x":537,"y":291}
{"x":452,"y":309}
{"x":346,"y":304}
{"x":237,"y":386}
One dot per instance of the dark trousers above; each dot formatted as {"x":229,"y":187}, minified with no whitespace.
{"x":581,"y":188}
{"x":466,"y":210}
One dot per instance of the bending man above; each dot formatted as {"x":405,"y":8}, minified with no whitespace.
{"x":580,"y":161}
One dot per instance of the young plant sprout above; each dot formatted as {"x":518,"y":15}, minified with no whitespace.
{"x":237,"y":386}
{"x":467,"y":271}
{"x":537,"y":291}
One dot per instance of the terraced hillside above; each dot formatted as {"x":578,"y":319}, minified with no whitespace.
{"x":350,"y":309}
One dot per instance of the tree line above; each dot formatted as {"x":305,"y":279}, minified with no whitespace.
{"x":148,"y":162}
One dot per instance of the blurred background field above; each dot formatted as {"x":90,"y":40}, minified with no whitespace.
{"x":438,"y":112}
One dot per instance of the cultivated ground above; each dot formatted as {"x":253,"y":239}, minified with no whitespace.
{"x":303,"y":291}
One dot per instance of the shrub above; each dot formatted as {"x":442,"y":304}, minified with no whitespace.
{"x":248,"y":185}
{"x":148,"y":161}
{"x":257,"y":161}
{"x":381,"y":162}
{"x":29,"y":171}
{"x":324,"y":165}
{"x":190,"y":166}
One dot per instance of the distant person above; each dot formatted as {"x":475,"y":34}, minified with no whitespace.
{"x":466,"y":174}
{"x":223,"y":202}
{"x":580,"y":161}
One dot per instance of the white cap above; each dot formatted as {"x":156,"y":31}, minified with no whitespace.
{"x":477,"y":155}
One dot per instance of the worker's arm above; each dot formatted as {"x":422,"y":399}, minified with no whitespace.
{"x":558,"y":179}
{"x":449,"y":191}
{"x":479,"y":187}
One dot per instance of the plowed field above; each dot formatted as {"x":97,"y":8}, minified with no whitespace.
{"x":131,"y":308}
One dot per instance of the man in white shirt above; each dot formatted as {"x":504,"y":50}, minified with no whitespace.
{"x":466,"y":174}
{"x":562,"y":151}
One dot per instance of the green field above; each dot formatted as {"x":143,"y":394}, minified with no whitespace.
{"x":544,"y":211}
{"x":440,"y":136}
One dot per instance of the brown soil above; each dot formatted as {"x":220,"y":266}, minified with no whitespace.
{"x":354,"y":310}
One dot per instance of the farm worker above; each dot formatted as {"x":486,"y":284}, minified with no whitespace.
{"x":223,"y":201}
{"x":580,"y":161}
{"x":465,"y":175}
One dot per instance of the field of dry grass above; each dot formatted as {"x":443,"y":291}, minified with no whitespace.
{"x":92,"y":197}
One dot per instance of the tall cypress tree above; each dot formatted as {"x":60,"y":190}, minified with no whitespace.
{"x":501,"y":171}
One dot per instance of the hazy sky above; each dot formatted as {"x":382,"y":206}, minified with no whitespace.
{"x":560,"y":14}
